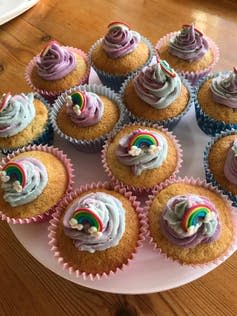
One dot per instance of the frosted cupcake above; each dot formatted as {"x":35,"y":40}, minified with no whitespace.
{"x":87,"y":115}
{"x":189,"y":52}
{"x":191,"y":222}
{"x":120,"y":53}
{"x":56,"y":69}
{"x":89,"y":232}
{"x":23,"y":121}
{"x":33,"y":180}
{"x":157,"y":94}
{"x":216,"y":102}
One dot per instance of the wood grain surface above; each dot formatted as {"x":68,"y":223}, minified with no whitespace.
{"x":28,"y":288}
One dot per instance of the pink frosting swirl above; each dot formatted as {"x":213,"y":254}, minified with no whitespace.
{"x":55,"y":62}
{"x":230,"y":166}
{"x":91,"y":112}
{"x":120,"y":41}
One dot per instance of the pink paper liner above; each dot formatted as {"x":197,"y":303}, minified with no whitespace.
{"x":191,"y":75}
{"x":46,"y":215}
{"x":197,"y":182}
{"x":53,"y":94}
{"x":56,"y":219}
{"x":137,"y":190}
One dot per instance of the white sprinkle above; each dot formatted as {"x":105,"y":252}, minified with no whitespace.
{"x":135,"y":151}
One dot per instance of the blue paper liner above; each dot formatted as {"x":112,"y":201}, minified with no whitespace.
{"x":208,"y":125}
{"x":115,"y":81}
{"x":168,"y":123}
{"x":46,"y":138}
{"x":92,"y":145}
{"x":208,"y":174}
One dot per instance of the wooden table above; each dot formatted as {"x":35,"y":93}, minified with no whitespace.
{"x":27,"y":288}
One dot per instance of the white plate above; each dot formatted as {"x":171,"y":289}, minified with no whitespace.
{"x":150,"y":272}
{"x":9,"y":9}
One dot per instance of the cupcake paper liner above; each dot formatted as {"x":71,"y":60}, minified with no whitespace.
{"x":136,"y":190}
{"x":46,"y":138}
{"x":52,"y":95}
{"x":208,"y":125}
{"x":193,"y":77}
{"x":115,"y":81}
{"x":72,"y":269}
{"x":46,"y":215}
{"x":169,"y":123}
{"x":197,"y":182}
{"x":92,"y":145}
{"x":209,"y":175}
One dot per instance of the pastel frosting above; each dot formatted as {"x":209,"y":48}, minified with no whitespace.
{"x":120,"y":40}
{"x":230,"y":166}
{"x":189,"y":220}
{"x":142,"y":150}
{"x":55,"y":62}
{"x":16,"y":113}
{"x":224,"y":89}
{"x":80,"y":225}
{"x":84,"y":108}
{"x":23,"y":180}
{"x":189,"y":44}
{"x":158,"y":85}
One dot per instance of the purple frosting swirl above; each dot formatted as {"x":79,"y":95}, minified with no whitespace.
{"x":189,"y":44}
{"x":205,"y":231}
{"x":224,"y":89}
{"x":120,"y":41}
{"x":91,"y":113}
{"x":230,"y":166}
{"x":55,"y":62}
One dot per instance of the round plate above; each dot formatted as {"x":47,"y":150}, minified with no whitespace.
{"x":150,"y":271}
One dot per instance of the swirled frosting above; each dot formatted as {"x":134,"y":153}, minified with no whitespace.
{"x":17,"y":113}
{"x":230,"y":166}
{"x":92,"y":208}
{"x":85,"y":110}
{"x":189,"y":220}
{"x":140,"y":153}
{"x":120,"y":40}
{"x":224,"y":89}
{"x":158,"y":85}
{"x":189,"y":44}
{"x":55,"y":62}
{"x":36,"y":179}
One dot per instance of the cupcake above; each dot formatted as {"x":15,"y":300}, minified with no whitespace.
{"x":140,"y":156}
{"x":191,"y":222}
{"x":23,"y":121}
{"x":56,"y":69}
{"x":119,"y":54}
{"x":157,"y":94}
{"x":90,"y":231}
{"x":33,"y":180}
{"x":86,"y":115}
{"x":189,"y":52}
{"x":216,"y":102}
{"x":223,"y":172}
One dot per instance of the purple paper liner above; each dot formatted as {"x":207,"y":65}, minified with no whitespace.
{"x":209,"y":175}
{"x":46,"y":138}
{"x":115,"y":81}
{"x":92,"y":145}
{"x":169,"y":123}
{"x":70,"y":267}
{"x":208,"y":125}
{"x":202,"y":183}
{"x":47,"y":214}
{"x":192,"y":76}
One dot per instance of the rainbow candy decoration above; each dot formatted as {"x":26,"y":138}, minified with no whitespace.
{"x":79,"y":99}
{"x":15,"y":172}
{"x":142,"y":139}
{"x":118,"y":25}
{"x":4,"y":100}
{"x":192,"y":215}
{"x":85,"y":216}
{"x":188,"y":25}
{"x":47,"y":47}
{"x":166,"y":67}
